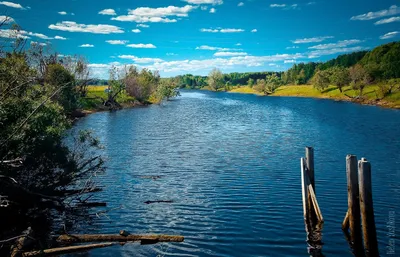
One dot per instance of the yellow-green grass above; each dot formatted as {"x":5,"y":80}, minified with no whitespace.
{"x":95,"y":96}
{"x":370,"y":94}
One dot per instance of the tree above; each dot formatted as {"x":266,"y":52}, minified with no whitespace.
{"x":59,"y":80}
{"x":260,"y":85}
{"x":215,"y":79}
{"x":250,"y":83}
{"x":339,"y":76}
{"x":79,"y":68}
{"x":359,"y":78}
{"x":321,"y":80}
{"x":272,"y":82}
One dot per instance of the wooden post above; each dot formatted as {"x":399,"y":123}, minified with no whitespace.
{"x":304,"y":189}
{"x":353,"y":202}
{"x":367,"y":209}
{"x":310,"y":165}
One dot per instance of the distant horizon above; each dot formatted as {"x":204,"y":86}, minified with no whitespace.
{"x":180,"y":37}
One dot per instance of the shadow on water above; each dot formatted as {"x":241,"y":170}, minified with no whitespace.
{"x":314,"y":237}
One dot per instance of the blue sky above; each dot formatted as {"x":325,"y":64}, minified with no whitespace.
{"x":194,"y":36}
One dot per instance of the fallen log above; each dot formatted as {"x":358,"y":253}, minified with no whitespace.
{"x":159,"y":201}
{"x":22,"y":242}
{"x":118,"y":238}
{"x":65,"y":250}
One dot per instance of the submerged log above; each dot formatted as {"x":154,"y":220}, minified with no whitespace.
{"x":65,"y":250}
{"x":118,"y":238}
{"x":159,"y":201}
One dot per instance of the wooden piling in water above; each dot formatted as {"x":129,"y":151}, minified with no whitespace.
{"x":367,"y":209}
{"x":310,"y":165}
{"x":304,"y":188}
{"x":353,"y":212}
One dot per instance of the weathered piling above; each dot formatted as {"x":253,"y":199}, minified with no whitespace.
{"x":310,"y":165}
{"x":304,"y":188}
{"x":367,"y":209}
{"x":353,"y":212}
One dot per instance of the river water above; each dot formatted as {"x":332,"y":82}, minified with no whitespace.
{"x":231,"y":165}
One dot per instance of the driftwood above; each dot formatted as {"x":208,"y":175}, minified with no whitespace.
{"x":24,"y":241}
{"x":68,"y":249}
{"x":159,"y":201}
{"x":118,"y":238}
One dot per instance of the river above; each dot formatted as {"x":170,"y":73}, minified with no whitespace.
{"x":231,"y":165}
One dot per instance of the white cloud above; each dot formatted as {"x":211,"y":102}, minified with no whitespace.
{"x":204,"y":7}
{"x":222,"y":30}
{"x":62,"y":13}
{"x":147,"y":14}
{"x":311,"y":3}
{"x":289,"y":61}
{"x":277,"y":5}
{"x":238,"y":44}
{"x":136,"y":30}
{"x":108,"y":12}
{"x":117,"y":42}
{"x":6,"y":19}
{"x":60,"y":38}
{"x":311,"y":40}
{"x":171,"y":54}
{"x":253,"y":30}
{"x":140,"y":60}
{"x":10,"y":33}
{"x":393,"y":10}
{"x":292,"y":47}
{"x":388,"y":20}
{"x":142,"y":25}
{"x":37,"y":43}
{"x":331,"y":51}
{"x":215,"y":48}
{"x":11,"y":4}
{"x":72,"y":26}
{"x":213,"y":2}
{"x":228,"y":54}
{"x":141,"y":46}
{"x":240,"y":4}
{"x":86,"y":45}
{"x":342,"y":43}
{"x":213,"y":10}
{"x":390,"y":35}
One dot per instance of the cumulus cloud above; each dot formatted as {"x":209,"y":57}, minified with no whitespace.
{"x":141,"y":46}
{"x":388,"y":20}
{"x":139,"y":59}
{"x":117,"y":42}
{"x":60,"y":38}
{"x":228,"y":54}
{"x":238,"y":44}
{"x":389,"y":35}
{"x":216,"y":48}
{"x":10,"y":33}
{"x":331,"y":51}
{"x":240,"y":4}
{"x":213,"y":10}
{"x":161,"y":14}
{"x":253,"y":30}
{"x":277,"y":5}
{"x":292,"y":47}
{"x":393,"y":10}
{"x":311,"y":40}
{"x":6,"y":19}
{"x":108,"y":12}
{"x":142,"y":25}
{"x":289,"y":61}
{"x":222,"y":30}
{"x":86,"y":45}
{"x":136,"y":30}
{"x":62,"y":13}
{"x":213,"y":2}
{"x":37,"y":43}
{"x":72,"y":26}
{"x":171,"y":54}
{"x":11,"y":4}
{"x":342,"y":43}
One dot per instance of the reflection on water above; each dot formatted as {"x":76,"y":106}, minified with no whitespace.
{"x":230,"y":164}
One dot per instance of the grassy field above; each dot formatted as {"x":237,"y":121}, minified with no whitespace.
{"x":370,"y":94}
{"x":95,"y":96}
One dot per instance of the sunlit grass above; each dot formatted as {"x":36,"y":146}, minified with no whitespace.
{"x":96,"y":95}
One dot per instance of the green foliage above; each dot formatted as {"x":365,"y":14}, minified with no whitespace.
{"x":383,"y":62}
{"x":359,"y":78}
{"x":250,"y":83}
{"x":215,"y":79}
{"x":339,"y":77}
{"x":320,"y":80}
{"x":60,"y":80}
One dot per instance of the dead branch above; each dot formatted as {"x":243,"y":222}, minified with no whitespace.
{"x":68,"y":249}
{"x":119,"y":238}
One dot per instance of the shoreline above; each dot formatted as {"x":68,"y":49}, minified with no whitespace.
{"x":319,"y":95}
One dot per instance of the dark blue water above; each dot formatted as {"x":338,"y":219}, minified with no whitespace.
{"x":231,"y":164}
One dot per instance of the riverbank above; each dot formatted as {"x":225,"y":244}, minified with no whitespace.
{"x":369,"y":97}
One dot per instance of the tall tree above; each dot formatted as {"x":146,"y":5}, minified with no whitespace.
{"x":215,"y":79}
